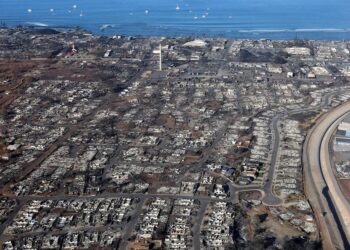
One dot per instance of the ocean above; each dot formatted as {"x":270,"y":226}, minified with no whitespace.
{"x":255,"y":19}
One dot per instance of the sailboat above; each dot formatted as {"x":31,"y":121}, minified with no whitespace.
{"x":177,"y":7}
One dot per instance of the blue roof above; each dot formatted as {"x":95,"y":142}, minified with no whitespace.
{"x":342,"y":140}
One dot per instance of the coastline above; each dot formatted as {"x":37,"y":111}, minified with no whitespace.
{"x":317,"y":34}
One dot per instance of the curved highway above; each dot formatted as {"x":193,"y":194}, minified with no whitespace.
{"x":330,"y":206}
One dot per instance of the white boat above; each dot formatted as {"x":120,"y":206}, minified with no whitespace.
{"x":177,"y":7}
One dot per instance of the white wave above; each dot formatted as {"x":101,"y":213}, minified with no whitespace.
{"x":320,"y":30}
{"x":106,"y":26}
{"x":263,"y":31}
{"x":37,"y":24}
{"x":293,"y":30}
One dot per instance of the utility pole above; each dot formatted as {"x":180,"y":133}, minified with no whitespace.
{"x":160,"y":57}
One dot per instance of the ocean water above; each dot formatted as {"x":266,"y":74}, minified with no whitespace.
{"x":276,"y":19}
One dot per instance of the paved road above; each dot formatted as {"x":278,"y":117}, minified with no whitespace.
{"x":116,"y":195}
{"x":131,"y":225}
{"x":197,"y":226}
{"x":330,"y":206}
{"x":10,"y":217}
{"x":270,"y":198}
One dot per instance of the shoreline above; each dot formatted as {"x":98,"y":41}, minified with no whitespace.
{"x":329,"y":34}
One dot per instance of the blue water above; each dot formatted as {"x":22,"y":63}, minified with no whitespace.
{"x":280,"y":19}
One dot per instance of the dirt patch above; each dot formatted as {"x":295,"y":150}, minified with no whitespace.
{"x":150,"y":178}
{"x":12,"y":69}
{"x":192,"y":157}
{"x":344,"y":185}
{"x":123,"y":126}
{"x":167,"y":121}
{"x":262,"y":218}
{"x":3,"y":149}
{"x":250,"y":195}
{"x":5,"y":101}
{"x":146,"y":74}
{"x":214,"y":105}
{"x":281,"y":229}
{"x":308,"y":121}
{"x":196,"y":134}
